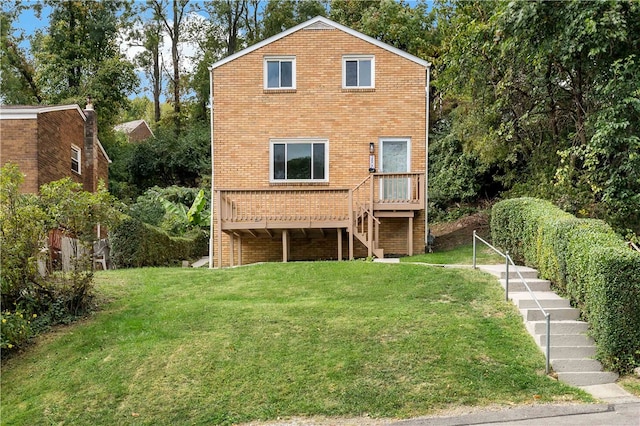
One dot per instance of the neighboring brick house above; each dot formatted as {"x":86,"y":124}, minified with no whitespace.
{"x":319,"y":148}
{"x":135,"y":131}
{"x":49,"y":143}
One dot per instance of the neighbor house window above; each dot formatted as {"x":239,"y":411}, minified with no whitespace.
{"x":358,"y":71}
{"x":280,"y":72}
{"x":299,"y":161}
{"x":75,"y":159}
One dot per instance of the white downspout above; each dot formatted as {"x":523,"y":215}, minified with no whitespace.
{"x":212,"y":171}
{"x":426,"y":159}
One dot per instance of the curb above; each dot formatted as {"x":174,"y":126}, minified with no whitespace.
{"x":529,"y":412}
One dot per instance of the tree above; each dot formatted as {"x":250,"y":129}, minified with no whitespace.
{"x":550,"y":97}
{"x":280,"y":15}
{"x":148,"y":35}
{"x":18,"y":83}
{"x":172,"y":22}
{"x":393,"y":22}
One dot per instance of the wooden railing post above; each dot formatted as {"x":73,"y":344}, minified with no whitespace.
{"x":219,"y":227}
{"x":351,"y":224}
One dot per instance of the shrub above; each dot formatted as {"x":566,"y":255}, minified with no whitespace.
{"x":15,"y":329}
{"x":587,"y":260}
{"x":135,"y":244}
{"x":29,"y":289}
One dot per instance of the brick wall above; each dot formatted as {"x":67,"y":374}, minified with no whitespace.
{"x":139,"y":134}
{"x":19,"y":146}
{"x":247,"y":117}
{"x":57,"y":131}
{"x":41,"y":147}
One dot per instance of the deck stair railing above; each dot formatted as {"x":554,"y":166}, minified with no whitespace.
{"x":509,"y":263}
{"x":365,"y":224}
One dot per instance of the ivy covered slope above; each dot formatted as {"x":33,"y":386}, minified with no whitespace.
{"x":587,"y":260}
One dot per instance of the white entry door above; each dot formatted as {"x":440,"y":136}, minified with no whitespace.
{"x":394,"y":158}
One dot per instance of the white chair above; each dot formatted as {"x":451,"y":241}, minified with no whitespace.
{"x":101,"y":253}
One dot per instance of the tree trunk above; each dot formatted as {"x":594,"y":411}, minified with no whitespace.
{"x":177,"y":17}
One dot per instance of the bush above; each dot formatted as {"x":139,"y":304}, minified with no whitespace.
{"x":15,"y":329}
{"x":135,"y":244}
{"x":28,"y":289}
{"x":585,"y":259}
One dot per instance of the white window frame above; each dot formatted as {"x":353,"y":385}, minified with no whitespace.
{"x":78,"y":151}
{"x":268,"y":59}
{"x":358,"y":58}
{"x":310,"y":141}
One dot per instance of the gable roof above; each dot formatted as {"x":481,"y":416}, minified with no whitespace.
{"x":320,"y":22}
{"x":130,"y":126}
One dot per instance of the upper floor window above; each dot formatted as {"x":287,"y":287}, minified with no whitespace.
{"x":358,"y":71}
{"x":299,"y":161}
{"x":76,"y":159}
{"x":280,"y":72}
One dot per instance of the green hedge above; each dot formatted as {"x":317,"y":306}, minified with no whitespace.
{"x":136,"y":244}
{"x":585,"y":259}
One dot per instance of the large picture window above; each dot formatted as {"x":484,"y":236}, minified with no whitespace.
{"x":358,"y":71}
{"x":299,"y":161}
{"x":280,"y":72}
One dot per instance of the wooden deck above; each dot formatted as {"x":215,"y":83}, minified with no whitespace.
{"x":278,"y":212}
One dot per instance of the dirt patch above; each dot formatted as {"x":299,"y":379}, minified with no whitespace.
{"x":453,"y":234}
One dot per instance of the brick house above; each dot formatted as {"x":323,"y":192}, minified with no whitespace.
{"x":319,"y":148}
{"x":49,"y":143}
{"x":135,"y":131}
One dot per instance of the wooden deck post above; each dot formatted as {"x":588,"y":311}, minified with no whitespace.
{"x":370,"y":234}
{"x":239,"y":250}
{"x":285,"y":246}
{"x":339,"y":244}
{"x":351,"y":227}
{"x":219,"y":227}
{"x":232,"y":239}
{"x":410,"y":237}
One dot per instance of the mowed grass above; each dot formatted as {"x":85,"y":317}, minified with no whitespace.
{"x":184,"y":346}
{"x":461,"y":255}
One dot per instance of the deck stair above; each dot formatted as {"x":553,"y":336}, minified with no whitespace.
{"x":365,"y":222}
{"x":572,"y":350}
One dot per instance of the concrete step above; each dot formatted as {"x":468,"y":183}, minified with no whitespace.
{"x":547,"y":299}
{"x":575,"y":365}
{"x":557,"y":327}
{"x":557,"y":314}
{"x":564,"y":340}
{"x":587,"y":378}
{"x":535,"y":285}
{"x":572,"y":352}
{"x":500,"y":271}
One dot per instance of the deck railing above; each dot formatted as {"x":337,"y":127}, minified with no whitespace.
{"x":284,"y":205}
{"x":377,"y":191}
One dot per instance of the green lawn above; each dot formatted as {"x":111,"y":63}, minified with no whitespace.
{"x":462,"y":255}
{"x":176,"y":346}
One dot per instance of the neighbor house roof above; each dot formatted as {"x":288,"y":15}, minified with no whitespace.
{"x":130,"y":126}
{"x":320,"y":22}
{"x":30,"y":112}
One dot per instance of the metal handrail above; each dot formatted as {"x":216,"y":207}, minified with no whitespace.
{"x":508,"y":261}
